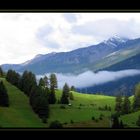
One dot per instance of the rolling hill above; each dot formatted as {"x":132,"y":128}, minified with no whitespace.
{"x":79,"y":114}
{"x":19,"y":114}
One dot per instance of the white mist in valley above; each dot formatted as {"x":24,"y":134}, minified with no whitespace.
{"x":90,"y":78}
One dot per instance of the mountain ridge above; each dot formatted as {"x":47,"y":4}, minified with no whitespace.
{"x":75,"y":61}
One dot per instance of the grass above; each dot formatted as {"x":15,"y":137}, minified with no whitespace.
{"x":79,"y":114}
{"x":130,"y":119}
{"x":19,"y":114}
{"x":83,"y":108}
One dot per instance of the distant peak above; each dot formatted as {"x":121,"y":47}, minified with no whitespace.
{"x":38,"y":55}
{"x":118,"y":38}
{"x":115,"y":40}
{"x":52,"y":53}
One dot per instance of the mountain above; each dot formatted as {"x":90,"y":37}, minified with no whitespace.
{"x":76,"y":61}
{"x":113,"y":54}
{"x":128,"y":83}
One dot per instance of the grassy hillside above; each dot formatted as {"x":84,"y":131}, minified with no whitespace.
{"x":19,"y":114}
{"x":83,"y":108}
{"x":79,"y":114}
{"x":130,"y":119}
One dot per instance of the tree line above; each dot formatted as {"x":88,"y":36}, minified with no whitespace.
{"x":41,"y":93}
{"x":4,"y":99}
{"x":125,"y":106}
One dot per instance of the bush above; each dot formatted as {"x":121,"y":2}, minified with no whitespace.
{"x":101,"y":116}
{"x":138,"y":121}
{"x":44,"y":120}
{"x":62,"y":107}
{"x":71,"y":121}
{"x":56,"y":124}
{"x":96,"y":120}
{"x":65,"y":123}
{"x":93,"y":118}
{"x":58,"y":101}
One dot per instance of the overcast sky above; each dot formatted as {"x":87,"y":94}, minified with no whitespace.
{"x":24,"y":35}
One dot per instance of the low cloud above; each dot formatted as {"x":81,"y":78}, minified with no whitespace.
{"x":90,"y":78}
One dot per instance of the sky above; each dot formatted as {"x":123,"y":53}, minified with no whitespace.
{"x":24,"y":35}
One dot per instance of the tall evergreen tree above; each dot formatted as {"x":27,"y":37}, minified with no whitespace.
{"x":53,"y":86}
{"x":136,"y":103}
{"x":41,"y":83}
{"x":28,"y":80}
{"x":53,"y":81}
{"x":118,"y":106}
{"x":39,"y":102}
{"x":46,"y":80}
{"x":115,"y":123}
{"x":72,"y":88}
{"x":52,"y":97}
{"x":138,"y":121}
{"x":71,"y":96}
{"x":1,"y":72}
{"x":65,"y":95}
{"x":4,"y":100}
{"x":126,"y":107}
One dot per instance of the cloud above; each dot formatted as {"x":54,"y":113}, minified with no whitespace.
{"x":71,"y":17}
{"x":24,"y":35}
{"x":90,"y":78}
{"x":106,"y":28}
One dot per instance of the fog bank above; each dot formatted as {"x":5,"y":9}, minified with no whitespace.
{"x":90,"y":78}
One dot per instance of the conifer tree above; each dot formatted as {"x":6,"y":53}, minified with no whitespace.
{"x":42,"y":83}
{"x":46,"y":80}
{"x":65,"y":95}
{"x":71,"y":96}
{"x":72,"y":88}
{"x":118,"y":106}
{"x":4,"y":100}
{"x":126,"y":107}
{"x":1,"y":72}
{"x":53,"y":86}
{"x":136,"y":103}
{"x":138,"y":121}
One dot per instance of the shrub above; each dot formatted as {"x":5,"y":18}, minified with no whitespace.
{"x":62,"y":107}
{"x":93,"y":118}
{"x":71,"y":121}
{"x":96,"y":120}
{"x":55,"y":124}
{"x":65,"y":123}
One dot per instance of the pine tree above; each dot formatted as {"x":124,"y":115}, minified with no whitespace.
{"x":4,"y":100}
{"x":71,"y":96}
{"x":126,"y":107}
{"x":1,"y":72}
{"x":121,"y":124}
{"x":42,"y":83}
{"x":116,"y":123}
{"x":46,"y":80}
{"x":28,"y":80}
{"x":138,"y":121}
{"x":53,"y":81}
{"x":53,"y":86}
{"x":72,"y":88}
{"x":118,"y":106}
{"x":43,"y":107}
{"x":39,"y":102}
{"x":136,"y":103}
{"x":65,"y":95}
{"x":52,"y":98}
